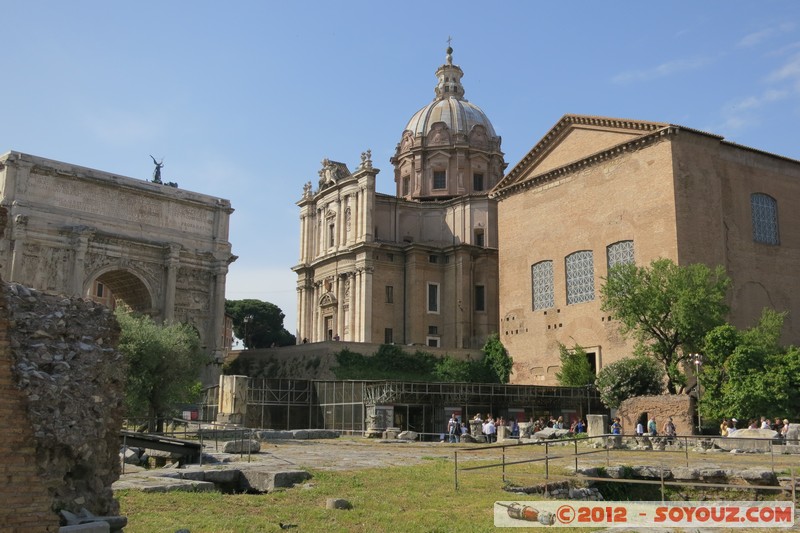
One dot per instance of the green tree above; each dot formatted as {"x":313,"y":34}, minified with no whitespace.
{"x":259,"y":324}
{"x":667,"y":308}
{"x":575,"y":368}
{"x":748,"y":373}
{"x":496,"y":361}
{"x":629,"y":377}
{"x":164,"y":364}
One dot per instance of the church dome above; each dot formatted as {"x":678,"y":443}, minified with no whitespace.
{"x":449,"y":106}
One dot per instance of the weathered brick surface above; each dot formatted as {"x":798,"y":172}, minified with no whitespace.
{"x":679,"y":406}
{"x":61,"y":404}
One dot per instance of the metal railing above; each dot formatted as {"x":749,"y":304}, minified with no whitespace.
{"x":609,"y":443}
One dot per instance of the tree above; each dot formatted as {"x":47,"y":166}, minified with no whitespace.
{"x":496,"y":361}
{"x":747,"y":373}
{"x":164,"y":364}
{"x":259,"y":324}
{"x":629,"y":377}
{"x":667,"y":308}
{"x":575,"y":368}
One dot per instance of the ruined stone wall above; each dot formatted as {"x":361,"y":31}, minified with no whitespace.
{"x":61,"y":390}
{"x":679,"y":406}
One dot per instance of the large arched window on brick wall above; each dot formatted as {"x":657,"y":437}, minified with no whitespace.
{"x":580,"y":277}
{"x":620,"y":253}
{"x":765,"y":218}
{"x":542,"y":281}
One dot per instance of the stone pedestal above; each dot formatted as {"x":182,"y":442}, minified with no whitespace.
{"x":597,"y":425}
{"x":476,"y":430}
{"x":391,"y":433}
{"x":503,"y":432}
{"x":232,"y":399}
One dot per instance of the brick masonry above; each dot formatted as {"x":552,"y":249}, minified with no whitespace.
{"x":679,"y":406}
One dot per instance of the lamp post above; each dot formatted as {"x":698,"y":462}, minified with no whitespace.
{"x":698,"y":359}
{"x":247,"y":320}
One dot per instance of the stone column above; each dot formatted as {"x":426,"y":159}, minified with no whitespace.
{"x":340,"y":306}
{"x":173,"y":261}
{"x":218,"y":312}
{"x":367,"y":299}
{"x":81,"y":242}
{"x":232,"y":400}
{"x":18,"y":237}
{"x":359,"y":325}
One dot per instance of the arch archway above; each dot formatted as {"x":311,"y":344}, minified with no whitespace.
{"x":110,"y":286}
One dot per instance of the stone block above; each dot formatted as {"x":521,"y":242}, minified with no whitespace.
{"x":391,"y":433}
{"x":270,"y":434}
{"x":262,"y":480}
{"x":596,"y":425}
{"x":758,"y":476}
{"x":242,"y":446}
{"x":408,"y":435}
{"x":751,"y":440}
{"x":337,"y":503}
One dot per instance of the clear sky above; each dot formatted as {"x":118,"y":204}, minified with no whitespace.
{"x":243,"y":99}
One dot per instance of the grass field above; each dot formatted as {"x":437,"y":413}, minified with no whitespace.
{"x":415,"y":498}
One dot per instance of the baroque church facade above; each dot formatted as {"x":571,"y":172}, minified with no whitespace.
{"x":596,"y":191}
{"x":417,"y":267}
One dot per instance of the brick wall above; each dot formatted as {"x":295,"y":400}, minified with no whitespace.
{"x":26,"y":504}
{"x":679,"y":406}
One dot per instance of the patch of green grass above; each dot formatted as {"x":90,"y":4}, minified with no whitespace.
{"x":409,"y":498}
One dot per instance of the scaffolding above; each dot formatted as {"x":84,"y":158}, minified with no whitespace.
{"x":417,"y":406}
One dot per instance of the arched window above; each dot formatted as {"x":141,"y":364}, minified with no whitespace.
{"x":542,"y":281}
{"x":620,"y":253}
{"x":580,"y":277}
{"x":765,"y":218}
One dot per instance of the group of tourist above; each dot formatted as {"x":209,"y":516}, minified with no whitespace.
{"x":456,"y":429}
{"x":578,"y":425}
{"x":728,"y":427}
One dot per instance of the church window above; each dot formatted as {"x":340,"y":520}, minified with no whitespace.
{"x":389,"y":294}
{"x":480,"y":298}
{"x":433,"y":258}
{"x":580,"y":277}
{"x":765,"y":218}
{"x":433,"y":297}
{"x":620,"y":253}
{"x":542,"y":275}
{"x":331,"y":235}
{"x":439,"y":179}
{"x":406,"y":185}
{"x":477,"y":182}
{"x":479,"y":237}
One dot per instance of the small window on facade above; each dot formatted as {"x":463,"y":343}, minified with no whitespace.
{"x":433,"y":258}
{"x":390,"y":257}
{"x":480,"y":298}
{"x":433,"y":342}
{"x":620,"y":253}
{"x":331,"y":235}
{"x":542,"y":281}
{"x":439,"y":179}
{"x":433,"y":297}
{"x":479,"y":237}
{"x":477,"y":182}
{"x":433,"y":330}
{"x":406,"y":185}
{"x":387,"y":336}
{"x":765,"y":218}
{"x":389,"y":294}
{"x":100,"y":290}
{"x":580,"y":277}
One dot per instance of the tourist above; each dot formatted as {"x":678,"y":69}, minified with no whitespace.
{"x":559,"y":423}
{"x":669,"y":430}
{"x":478,"y":418}
{"x":489,"y":430}
{"x":652,"y":427}
{"x":785,"y":429}
{"x":753,"y":424}
{"x":765,"y":423}
{"x":464,"y":430}
{"x":616,"y":427}
{"x":723,"y":427}
{"x":777,"y":425}
{"x":514,"y":428}
{"x":580,"y":427}
{"x":640,"y":429}
{"x":732,"y":426}
{"x":453,"y":429}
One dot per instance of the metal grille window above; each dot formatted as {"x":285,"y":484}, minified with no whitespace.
{"x":433,"y":297}
{"x":439,"y":179}
{"x":620,"y":253}
{"x":542,"y":275}
{"x":765,"y":218}
{"x":580,"y":277}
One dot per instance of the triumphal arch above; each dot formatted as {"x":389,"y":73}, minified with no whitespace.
{"x":78,"y":231}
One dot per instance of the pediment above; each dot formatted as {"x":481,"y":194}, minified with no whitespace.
{"x":574,"y":138}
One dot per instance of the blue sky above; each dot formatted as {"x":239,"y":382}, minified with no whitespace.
{"x":243,"y":99}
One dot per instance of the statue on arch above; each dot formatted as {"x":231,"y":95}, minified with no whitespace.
{"x":157,"y":171}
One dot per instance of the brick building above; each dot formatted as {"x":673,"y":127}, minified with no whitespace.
{"x":598,"y":191}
